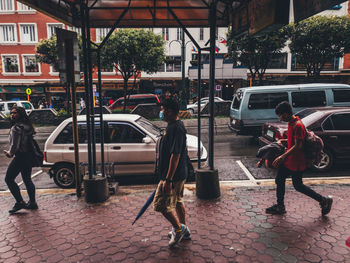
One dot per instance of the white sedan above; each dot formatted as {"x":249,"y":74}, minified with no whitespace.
{"x":193,"y":108}
{"x":130,"y":142}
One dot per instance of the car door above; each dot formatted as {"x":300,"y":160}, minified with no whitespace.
{"x":66,"y":147}
{"x":132,"y":151}
{"x":337,"y":133}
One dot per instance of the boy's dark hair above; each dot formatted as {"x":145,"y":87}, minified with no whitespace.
{"x":283,"y":107}
{"x":171,"y":104}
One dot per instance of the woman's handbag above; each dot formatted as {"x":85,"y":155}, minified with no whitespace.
{"x":37,"y":154}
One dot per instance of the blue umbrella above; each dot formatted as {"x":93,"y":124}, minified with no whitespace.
{"x":145,"y":206}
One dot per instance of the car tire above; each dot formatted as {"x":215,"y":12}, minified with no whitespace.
{"x":326,"y":162}
{"x":191,"y":111}
{"x":64,"y":176}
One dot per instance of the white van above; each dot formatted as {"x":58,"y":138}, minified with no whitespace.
{"x":6,"y":106}
{"x":252,"y":107}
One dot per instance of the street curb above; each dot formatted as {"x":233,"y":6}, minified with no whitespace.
{"x":224,"y":185}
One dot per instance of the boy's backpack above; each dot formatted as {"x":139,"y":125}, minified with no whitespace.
{"x":313,"y":148}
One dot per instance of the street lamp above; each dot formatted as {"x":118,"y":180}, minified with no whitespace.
{"x":184,"y":97}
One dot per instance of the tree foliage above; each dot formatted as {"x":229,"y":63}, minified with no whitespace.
{"x":132,"y":51}
{"x":47,"y":52}
{"x":319,"y":39}
{"x":256,"y":52}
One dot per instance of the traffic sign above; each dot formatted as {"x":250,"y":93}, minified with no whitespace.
{"x":28,"y":91}
{"x":218,"y":87}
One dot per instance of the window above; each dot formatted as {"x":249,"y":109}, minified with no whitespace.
{"x":7,"y":5}
{"x":173,"y":64}
{"x":10,"y":64}
{"x":201,"y":33}
{"x":30,"y":64}
{"x":124,"y":133}
{"x":341,"y":95}
{"x":24,"y":8}
{"x":308,"y":99}
{"x":101,"y":33}
{"x":66,"y":135}
{"x":179,"y":33}
{"x":279,"y":61}
{"x":236,"y":103}
{"x":28,"y":33}
{"x":332,"y":65}
{"x":327,"y":124}
{"x":165,"y":33}
{"x":217,"y":33}
{"x":266,"y":100}
{"x":2,"y":107}
{"x":108,"y":69}
{"x":341,"y":121}
{"x":75,"y":29}
{"x":8,"y":33}
{"x":51,"y":29}
{"x":27,"y":106}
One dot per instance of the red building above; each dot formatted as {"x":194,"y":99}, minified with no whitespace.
{"x":21,"y":29}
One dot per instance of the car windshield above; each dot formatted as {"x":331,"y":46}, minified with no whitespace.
{"x":311,"y":118}
{"x":148,"y":126}
{"x":236,"y":102}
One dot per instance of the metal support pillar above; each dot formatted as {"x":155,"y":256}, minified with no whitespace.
{"x":92,"y":108}
{"x":101,"y":112}
{"x":183,"y":60}
{"x":199,"y":107}
{"x":87,"y":89}
{"x":212,"y":17}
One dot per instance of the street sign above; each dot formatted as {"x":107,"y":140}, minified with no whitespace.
{"x":28,"y":91}
{"x":218,"y":87}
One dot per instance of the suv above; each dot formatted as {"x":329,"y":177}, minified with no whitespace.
{"x":5,"y":106}
{"x":134,"y":100}
{"x":129,"y":147}
{"x":331,"y":124}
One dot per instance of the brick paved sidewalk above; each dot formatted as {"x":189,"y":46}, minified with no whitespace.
{"x":231,"y":229}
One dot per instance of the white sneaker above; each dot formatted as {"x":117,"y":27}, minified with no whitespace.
{"x":187,"y":235}
{"x":177,"y":235}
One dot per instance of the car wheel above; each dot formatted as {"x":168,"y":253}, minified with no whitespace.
{"x":326,"y":162}
{"x":64,"y":176}
{"x":191,"y":111}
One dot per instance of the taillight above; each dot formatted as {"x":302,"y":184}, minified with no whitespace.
{"x":45,"y":158}
{"x":262,"y":129}
{"x":158,"y":99}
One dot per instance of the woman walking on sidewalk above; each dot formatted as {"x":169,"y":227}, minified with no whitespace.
{"x":21,"y":132}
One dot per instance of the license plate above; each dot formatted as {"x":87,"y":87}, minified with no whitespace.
{"x":269,"y":133}
{"x":233,"y":122}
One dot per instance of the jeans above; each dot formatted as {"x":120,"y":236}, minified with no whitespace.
{"x":21,"y":163}
{"x":297,"y":178}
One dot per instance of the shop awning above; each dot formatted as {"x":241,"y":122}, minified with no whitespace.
{"x":153,"y":13}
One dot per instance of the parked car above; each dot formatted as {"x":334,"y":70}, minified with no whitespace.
{"x":130,"y":142}
{"x":193,"y":108}
{"x":331,"y":124}
{"x":5,"y":106}
{"x":134,"y":100}
{"x":252,"y":107}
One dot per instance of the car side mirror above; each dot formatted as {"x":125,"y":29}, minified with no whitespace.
{"x":146,"y":140}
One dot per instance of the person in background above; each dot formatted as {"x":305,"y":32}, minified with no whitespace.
{"x":21,"y":132}
{"x":82,"y":104}
{"x":293,"y":163}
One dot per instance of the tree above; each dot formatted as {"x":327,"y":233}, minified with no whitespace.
{"x":47,"y":52}
{"x":132,"y":51}
{"x":256,"y":52}
{"x":318,"y":40}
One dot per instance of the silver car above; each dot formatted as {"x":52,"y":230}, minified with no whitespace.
{"x":130,"y":142}
{"x":193,"y":108}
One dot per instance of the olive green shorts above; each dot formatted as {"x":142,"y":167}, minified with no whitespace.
{"x":167,"y":202}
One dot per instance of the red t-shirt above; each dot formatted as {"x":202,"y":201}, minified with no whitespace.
{"x":295,"y":161}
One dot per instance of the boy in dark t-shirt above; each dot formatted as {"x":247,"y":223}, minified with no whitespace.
{"x":293,"y":163}
{"x":172,"y":171}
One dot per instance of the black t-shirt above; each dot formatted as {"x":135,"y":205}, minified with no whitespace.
{"x":174,"y":141}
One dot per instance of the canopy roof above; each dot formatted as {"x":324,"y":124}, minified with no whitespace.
{"x":140,"y":13}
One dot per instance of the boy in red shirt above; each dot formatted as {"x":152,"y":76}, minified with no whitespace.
{"x":293,"y":163}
